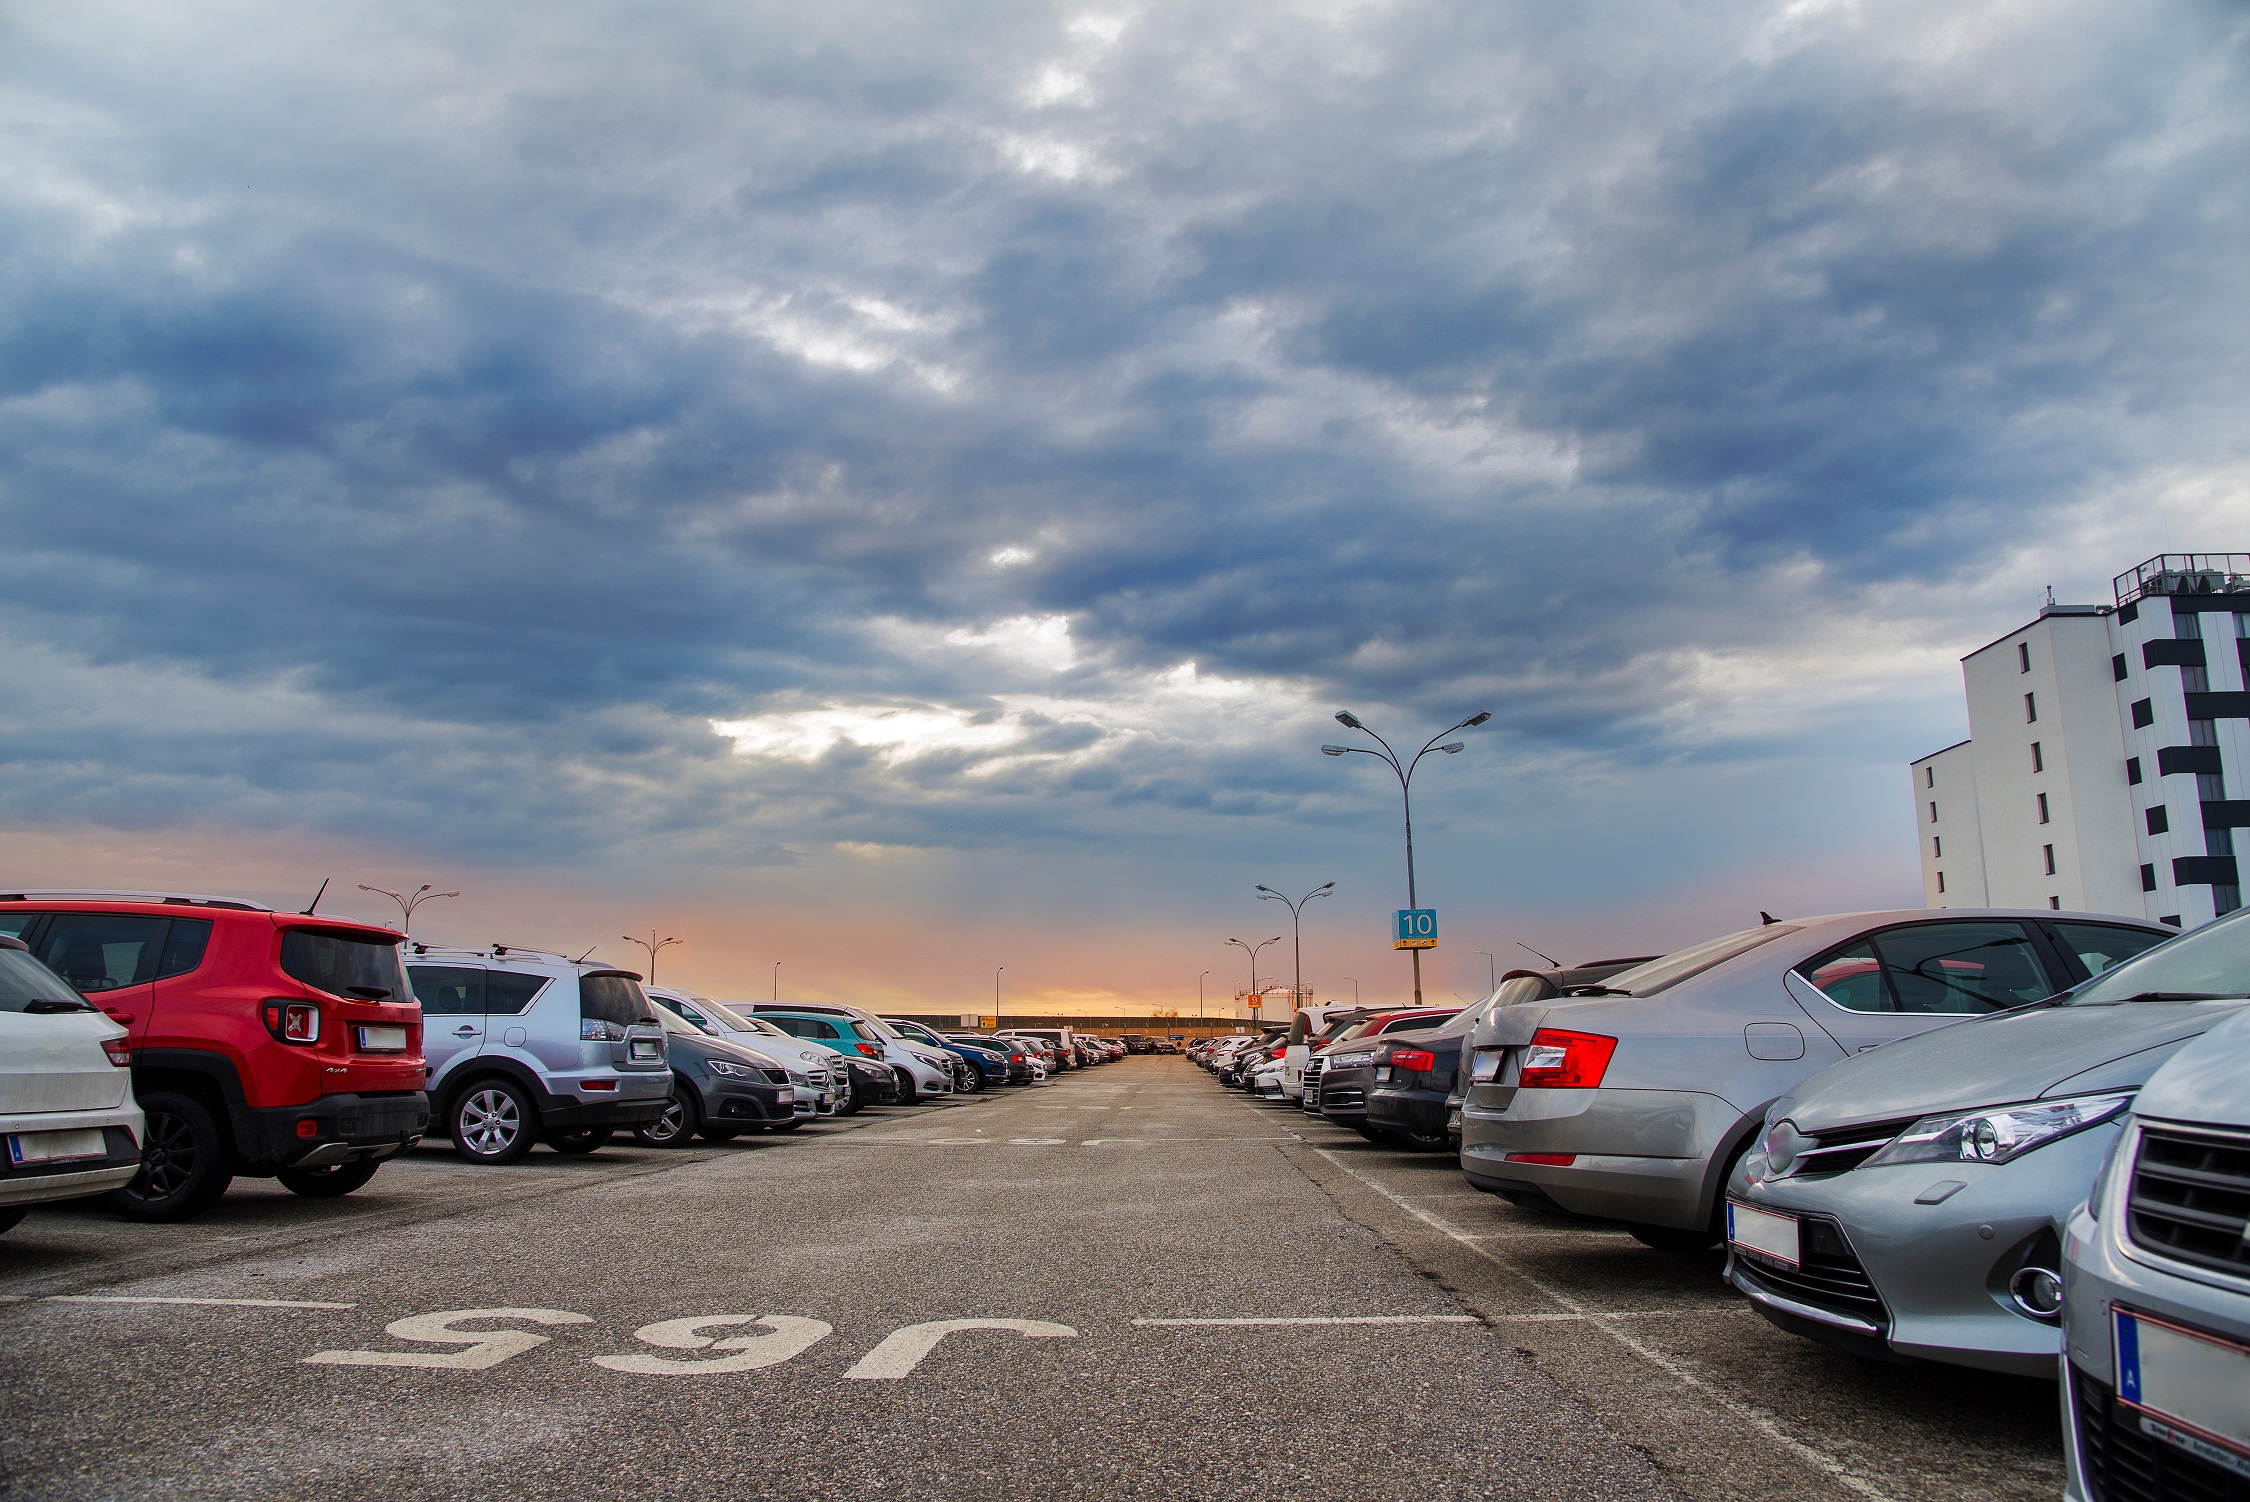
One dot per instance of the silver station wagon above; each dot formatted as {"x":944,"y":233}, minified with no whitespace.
{"x":1631,"y":1100}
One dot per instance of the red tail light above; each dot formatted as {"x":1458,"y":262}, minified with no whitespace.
{"x":1558,"y":1060}
{"x":1421,"y":1061}
{"x":869,"y":1049}
{"x":120,"y":1051}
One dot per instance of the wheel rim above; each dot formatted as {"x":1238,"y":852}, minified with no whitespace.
{"x":167,"y":1158}
{"x":490,"y":1122}
{"x":670,"y":1124}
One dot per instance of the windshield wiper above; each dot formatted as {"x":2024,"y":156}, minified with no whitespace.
{"x":52,"y":1008}
{"x":2180,"y":996}
{"x":1595,"y":990}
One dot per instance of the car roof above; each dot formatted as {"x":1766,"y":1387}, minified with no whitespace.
{"x":172,"y":905}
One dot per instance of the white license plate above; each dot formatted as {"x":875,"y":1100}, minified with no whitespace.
{"x":2191,"y":1389}
{"x":51,"y":1147}
{"x":1763,"y":1232}
{"x":1485,"y":1067}
{"x":647,"y":1048}
{"x":382,"y":1040}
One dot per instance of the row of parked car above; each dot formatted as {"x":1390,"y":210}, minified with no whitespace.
{"x":2015,"y":1141}
{"x":154,"y":1048}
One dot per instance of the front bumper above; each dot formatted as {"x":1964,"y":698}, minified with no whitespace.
{"x":122,"y":1128}
{"x":1940,"y":1271}
{"x":347,"y":1127}
{"x":739,"y":1102}
{"x":1639,"y":1155}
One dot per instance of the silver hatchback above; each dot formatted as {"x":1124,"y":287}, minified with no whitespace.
{"x":1631,"y":1100}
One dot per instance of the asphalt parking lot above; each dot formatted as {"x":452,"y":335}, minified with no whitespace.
{"x":1189,"y":1294}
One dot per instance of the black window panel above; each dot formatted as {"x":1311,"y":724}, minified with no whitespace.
{"x":2043,"y":809}
{"x":2023,"y":657}
{"x":98,"y":952}
{"x":2232,"y":813}
{"x":2204,"y":870}
{"x":506,"y":991}
{"x":2148,"y":878}
{"x":2049,"y":852}
{"x":2117,"y":667}
{"x":345,"y":964}
{"x":2219,"y":706}
{"x":2133,"y":770}
{"x":2159,"y":819}
{"x":2197,"y":759}
{"x":183,"y":947}
{"x":2242,"y":654}
{"x":2144,"y":714}
{"x":613,"y":998}
{"x":448,"y":990}
{"x":1963,"y":967}
{"x":2176,"y":653}
{"x":2030,"y":708}
{"x":2127,"y":614}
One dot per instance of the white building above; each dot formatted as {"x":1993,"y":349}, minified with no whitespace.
{"x":2102,"y":742}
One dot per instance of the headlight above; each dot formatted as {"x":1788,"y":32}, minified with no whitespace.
{"x":733,"y":1070}
{"x":1350,"y":1060}
{"x":1999,"y":1134}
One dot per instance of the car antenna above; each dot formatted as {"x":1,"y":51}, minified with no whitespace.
{"x":1770,"y":919}
{"x":1557,"y":964}
{"x":324,"y":881}
{"x":582,"y":958}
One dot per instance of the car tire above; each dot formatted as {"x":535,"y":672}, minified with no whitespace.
{"x":493,"y":1122}
{"x":972,"y":1080}
{"x":908,"y":1093}
{"x":1674,"y":1240}
{"x":677,"y":1127}
{"x":333,"y":1182}
{"x":183,"y":1161}
{"x":592,"y":1139}
{"x":11,"y":1217}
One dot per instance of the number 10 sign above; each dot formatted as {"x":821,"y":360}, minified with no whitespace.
{"x":1414,"y":928}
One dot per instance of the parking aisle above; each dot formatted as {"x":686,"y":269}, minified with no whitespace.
{"x":1115,"y":1284}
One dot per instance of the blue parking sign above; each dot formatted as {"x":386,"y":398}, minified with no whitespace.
{"x":1414,"y":928}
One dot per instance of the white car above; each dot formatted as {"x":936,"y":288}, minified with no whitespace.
{"x":67,"y":1115}
{"x":923,"y":1071}
{"x":819,"y":1084}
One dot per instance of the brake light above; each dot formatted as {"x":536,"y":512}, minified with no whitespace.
{"x":869,"y":1049}
{"x":120,"y":1051}
{"x":1546,"y":1160}
{"x":1421,"y":1061}
{"x":1559,"y":1060}
{"x":291,"y":1021}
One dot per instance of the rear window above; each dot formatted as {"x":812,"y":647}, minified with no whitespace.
{"x":183,"y":947}
{"x":1648,"y":979}
{"x":508,"y":992}
{"x":610,"y":998}
{"x":23,"y":980}
{"x":2101,"y":945}
{"x":345,"y":965}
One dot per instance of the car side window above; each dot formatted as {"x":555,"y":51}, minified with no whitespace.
{"x":98,"y":952}
{"x":508,"y":992}
{"x":1963,"y":967}
{"x":183,"y":947}
{"x":2101,"y":945}
{"x":447,"y":990}
{"x":1850,"y":976}
{"x":14,"y":924}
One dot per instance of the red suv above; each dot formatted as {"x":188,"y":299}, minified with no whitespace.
{"x":263,"y":1042}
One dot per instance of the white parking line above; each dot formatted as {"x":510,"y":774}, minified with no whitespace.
{"x":1753,"y":1418}
{"x":121,"y":1298}
{"x":1331,"y":1319}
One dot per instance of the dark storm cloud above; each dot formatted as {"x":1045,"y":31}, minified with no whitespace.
{"x":442,"y":415}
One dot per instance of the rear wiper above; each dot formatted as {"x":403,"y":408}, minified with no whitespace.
{"x":368,"y":993}
{"x":51,"y":1008}
{"x":1594,"y":990}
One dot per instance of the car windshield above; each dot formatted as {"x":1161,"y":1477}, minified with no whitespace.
{"x":677,"y":1025}
{"x":1671,"y":969}
{"x":23,"y":980}
{"x":2208,"y":962}
{"x":345,"y":964}
{"x":875,"y":1027}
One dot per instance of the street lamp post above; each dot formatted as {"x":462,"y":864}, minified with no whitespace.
{"x":1199,"y":1001}
{"x":653,"y":945}
{"x":1405,"y":774}
{"x":1355,"y":988}
{"x":1252,"y":951}
{"x":407,"y":902}
{"x":1491,"y":972}
{"x":1268,"y":894}
{"x":996,"y":995}
{"x":777,"y":980}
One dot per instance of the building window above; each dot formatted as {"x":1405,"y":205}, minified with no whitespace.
{"x":2049,"y":852}
{"x":1933,"y":813}
{"x":2188,"y":627}
{"x":2171,"y":919}
{"x":2225,"y":898}
{"x":2055,"y":903}
{"x":2148,"y":878}
{"x":1941,"y":882}
{"x":2144,"y":714}
{"x":2043,"y":808}
{"x":2159,"y":820}
{"x":2133,"y":771}
{"x":2117,"y":667}
{"x":2030,"y":708}
{"x":1929,"y":777}
{"x":2210,"y":787}
{"x":1937,"y":847}
{"x":2023,"y":657}
{"x":2038,"y":758}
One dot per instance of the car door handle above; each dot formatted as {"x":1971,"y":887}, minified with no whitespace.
{"x":466,"y":1031}
{"x":122,"y":1019}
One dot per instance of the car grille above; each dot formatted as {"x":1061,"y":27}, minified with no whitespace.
{"x":1313,"y":1069}
{"x":1829,"y":1277}
{"x":1845,"y":1149}
{"x":2190,"y":1197}
{"x":1343,"y":1097}
{"x":2124,"y":1465}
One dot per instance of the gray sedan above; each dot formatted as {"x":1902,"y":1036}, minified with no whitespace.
{"x":1904,"y":1203}
{"x":1632,"y":1099}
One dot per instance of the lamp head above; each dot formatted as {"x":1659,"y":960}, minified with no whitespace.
{"x":1348,"y":720}
{"x":1264,"y":888}
{"x":1453,"y":749}
{"x":1480,"y":717}
{"x":1328,"y":886}
{"x":1333,"y":750}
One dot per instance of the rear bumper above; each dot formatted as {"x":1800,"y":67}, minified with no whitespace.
{"x":345,"y":1127}
{"x":1422,"y":1112}
{"x":1662,"y":1177}
{"x":36,"y":1183}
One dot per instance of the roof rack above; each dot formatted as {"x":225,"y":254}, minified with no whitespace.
{"x":176,"y":899}
{"x":498,"y":951}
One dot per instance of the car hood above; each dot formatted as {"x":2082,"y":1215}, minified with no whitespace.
{"x":2021,"y":1055}
{"x":2207,"y":1081}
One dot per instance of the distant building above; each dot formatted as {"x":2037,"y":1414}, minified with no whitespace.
{"x":2103,"y":740}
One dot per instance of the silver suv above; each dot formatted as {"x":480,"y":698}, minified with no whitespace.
{"x":526,"y":1046}
{"x":820,"y":1089}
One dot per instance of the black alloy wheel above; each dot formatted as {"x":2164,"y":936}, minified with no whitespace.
{"x":333,"y":1182}
{"x":492,"y":1122}
{"x":183,"y":1161}
{"x":589,"y":1139}
{"x":677,"y":1127}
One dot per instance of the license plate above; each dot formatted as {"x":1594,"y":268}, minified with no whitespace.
{"x":1763,"y":1232}
{"x":647,"y":1048}
{"x":382,"y":1040}
{"x":51,"y":1147}
{"x":2191,"y":1389}
{"x":1485,"y":1067}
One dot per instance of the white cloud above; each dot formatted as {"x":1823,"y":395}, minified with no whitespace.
{"x":1036,"y":641}
{"x":1012,"y":556}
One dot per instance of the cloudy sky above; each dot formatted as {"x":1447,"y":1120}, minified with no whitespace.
{"x":898,"y":491}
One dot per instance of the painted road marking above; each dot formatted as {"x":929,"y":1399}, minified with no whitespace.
{"x":123,"y":1298}
{"x":485,"y":1347}
{"x":902,"y":1350}
{"x":1331,"y":1319}
{"x":792,"y":1336}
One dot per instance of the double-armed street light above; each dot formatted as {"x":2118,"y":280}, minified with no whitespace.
{"x":1252,"y":951}
{"x":654,"y":946}
{"x":1296,"y":939}
{"x":407,"y":902}
{"x":1405,"y":773}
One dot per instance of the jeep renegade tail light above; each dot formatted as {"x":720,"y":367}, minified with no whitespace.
{"x":1558,"y":1060}
{"x":292,"y":1021}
